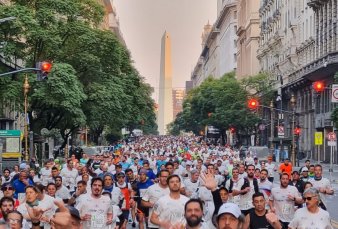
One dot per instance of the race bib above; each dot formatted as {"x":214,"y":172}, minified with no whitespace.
{"x":286,"y":210}
{"x":98,"y":221}
{"x":21,"y":197}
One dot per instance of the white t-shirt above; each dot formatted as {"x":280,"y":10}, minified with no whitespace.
{"x":98,"y":208}
{"x":233,"y":199}
{"x":271,"y":169}
{"x":63,"y":193}
{"x":245,"y":201}
{"x":47,"y":203}
{"x":171,"y":210}
{"x":190,"y":187}
{"x":285,"y":208}
{"x":322,"y":183}
{"x":69,"y":177}
{"x":304,"y":219}
{"x":153,"y":194}
{"x":45,"y":175}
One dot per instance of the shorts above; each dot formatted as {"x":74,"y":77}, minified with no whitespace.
{"x":124,"y":216}
{"x":142,"y":211}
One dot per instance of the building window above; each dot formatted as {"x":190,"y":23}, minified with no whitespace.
{"x":235,"y":57}
{"x":235,"y":28}
{"x":235,"y":14}
{"x":235,"y":43}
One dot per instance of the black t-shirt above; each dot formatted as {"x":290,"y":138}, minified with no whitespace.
{"x":258,"y":221}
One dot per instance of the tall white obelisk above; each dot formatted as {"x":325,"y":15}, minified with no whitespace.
{"x":165,"y":112}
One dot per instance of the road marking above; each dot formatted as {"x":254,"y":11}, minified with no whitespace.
{"x":334,"y":223}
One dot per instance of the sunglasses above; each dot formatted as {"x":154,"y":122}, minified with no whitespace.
{"x":7,"y":188}
{"x":308,"y":198}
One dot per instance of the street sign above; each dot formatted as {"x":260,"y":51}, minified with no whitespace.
{"x":331,"y":136}
{"x":332,"y":143}
{"x":334,"y":96}
{"x":281,"y":131}
{"x":318,"y":138}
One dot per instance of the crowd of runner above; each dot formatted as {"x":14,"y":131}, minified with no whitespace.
{"x":166,"y":183}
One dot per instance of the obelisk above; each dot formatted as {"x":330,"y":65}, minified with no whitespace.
{"x":165,"y":112}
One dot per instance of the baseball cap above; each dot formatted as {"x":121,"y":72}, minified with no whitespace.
{"x":143,"y":171}
{"x":305,"y":169}
{"x":229,"y":208}
{"x":73,"y":211}
{"x":188,"y":163}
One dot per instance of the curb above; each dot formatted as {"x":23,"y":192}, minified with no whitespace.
{"x":334,"y":223}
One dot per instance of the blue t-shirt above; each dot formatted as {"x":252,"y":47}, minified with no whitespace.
{"x":19,"y":187}
{"x":142,"y":188}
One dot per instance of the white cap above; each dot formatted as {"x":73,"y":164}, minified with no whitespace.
{"x":188,"y":163}
{"x":230,"y":208}
{"x":305,"y":169}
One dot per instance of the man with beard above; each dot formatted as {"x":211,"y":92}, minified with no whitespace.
{"x":259,"y":217}
{"x":95,"y":209}
{"x":193,"y":213}
{"x":265,"y":185}
{"x":154,"y":193}
{"x":283,"y":200}
{"x":169,"y":210}
{"x":248,"y":186}
{"x":6,"y":205}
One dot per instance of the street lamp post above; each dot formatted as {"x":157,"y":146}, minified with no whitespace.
{"x":293,"y":152}
{"x":26,"y":88}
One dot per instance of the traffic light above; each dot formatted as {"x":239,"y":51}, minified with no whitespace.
{"x":253,"y":104}
{"x":232,"y":130}
{"x":45,"y":67}
{"x":297,"y":130}
{"x":318,"y":86}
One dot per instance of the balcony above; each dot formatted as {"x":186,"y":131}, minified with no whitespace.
{"x":316,"y":4}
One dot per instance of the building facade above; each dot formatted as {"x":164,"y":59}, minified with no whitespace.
{"x":178,"y":97}
{"x":218,"y":45}
{"x":110,"y":20}
{"x":248,"y":33}
{"x":298,"y":46}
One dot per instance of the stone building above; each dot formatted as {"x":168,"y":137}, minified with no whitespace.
{"x":219,"y":42}
{"x":248,"y":32}
{"x":298,"y":46}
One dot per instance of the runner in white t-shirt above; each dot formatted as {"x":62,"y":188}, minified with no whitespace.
{"x":283,"y":199}
{"x":169,"y":209}
{"x":154,"y":193}
{"x":95,"y":209}
{"x":311,"y":216}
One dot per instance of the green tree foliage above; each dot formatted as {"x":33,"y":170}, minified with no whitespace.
{"x":93,"y":81}
{"x":221,"y":103}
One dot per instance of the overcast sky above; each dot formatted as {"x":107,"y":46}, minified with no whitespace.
{"x":143,"y":23}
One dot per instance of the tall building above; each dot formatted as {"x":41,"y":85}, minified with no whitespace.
{"x":248,"y":37}
{"x":178,"y":97}
{"x":165,"y":112}
{"x":110,"y":20}
{"x":219,"y":45}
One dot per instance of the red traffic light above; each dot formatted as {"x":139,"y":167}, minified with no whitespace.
{"x":46,"y":67}
{"x":253,"y":104}
{"x":318,"y":86}
{"x":297,"y":130}
{"x":232,"y":129}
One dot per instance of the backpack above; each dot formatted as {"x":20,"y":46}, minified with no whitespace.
{"x":246,"y":184}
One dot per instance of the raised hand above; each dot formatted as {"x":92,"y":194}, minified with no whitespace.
{"x":209,"y":181}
